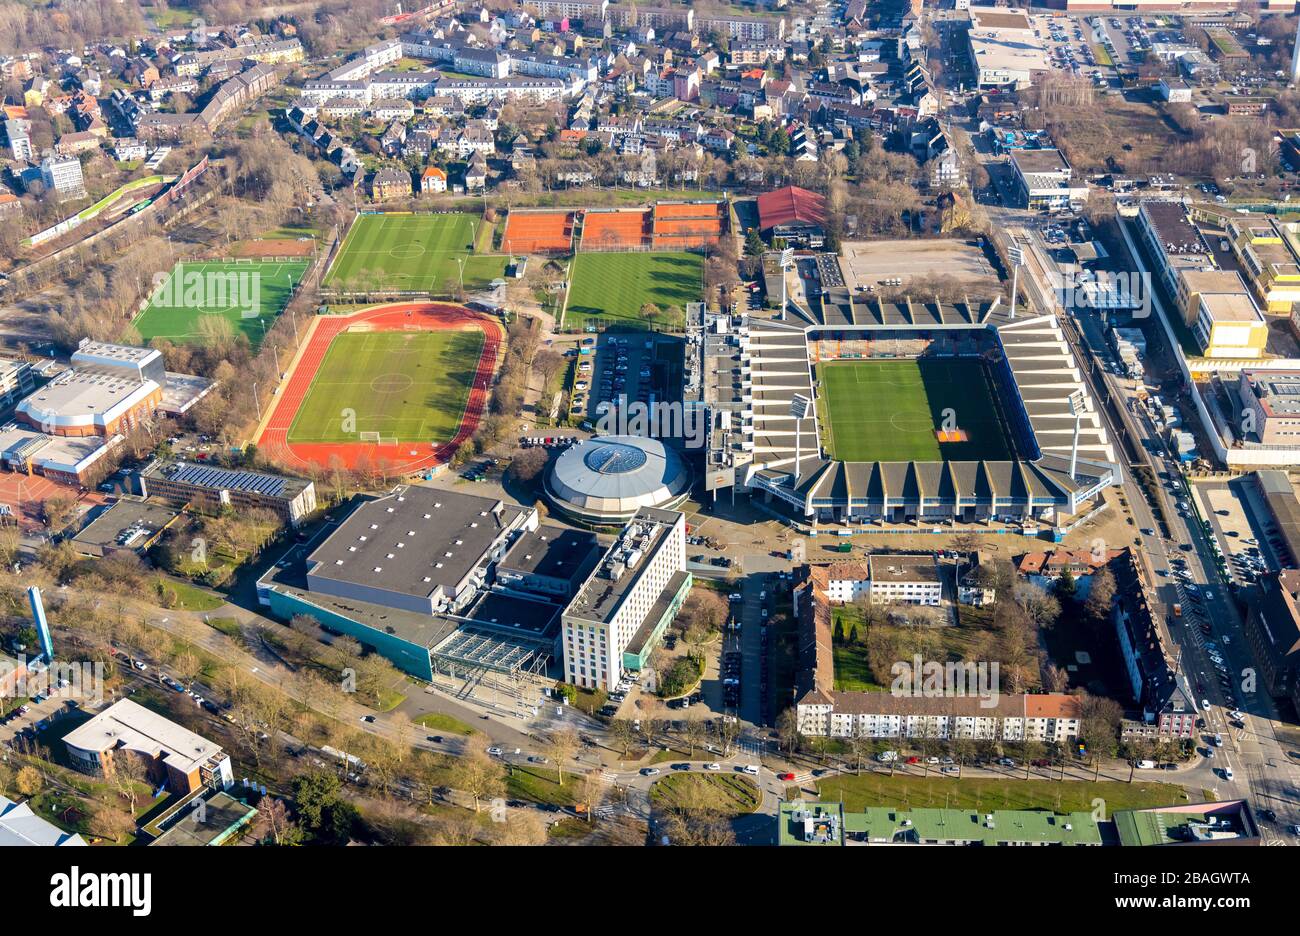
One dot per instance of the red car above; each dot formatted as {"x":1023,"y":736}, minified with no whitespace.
{"x":914,"y":760}
{"x":785,"y":776}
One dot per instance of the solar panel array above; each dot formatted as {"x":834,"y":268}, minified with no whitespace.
{"x":226,"y":479}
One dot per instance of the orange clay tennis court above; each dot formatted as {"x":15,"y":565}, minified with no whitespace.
{"x":613,"y":230}
{"x":535,"y":232}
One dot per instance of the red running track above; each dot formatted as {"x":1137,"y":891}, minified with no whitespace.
{"x":404,"y":457}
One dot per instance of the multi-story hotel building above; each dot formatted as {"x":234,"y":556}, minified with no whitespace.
{"x":623,"y":607}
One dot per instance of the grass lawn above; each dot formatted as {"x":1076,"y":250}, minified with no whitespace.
{"x":568,"y":829}
{"x":889,"y":410}
{"x":611,"y":288}
{"x":416,"y":252}
{"x":542,"y":785}
{"x":851,"y":671}
{"x":227,"y":626}
{"x":411,"y":386}
{"x":725,"y":792}
{"x":247,"y":295}
{"x":439,"y":722}
{"x":192,"y":598}
{"x":859,"y":792}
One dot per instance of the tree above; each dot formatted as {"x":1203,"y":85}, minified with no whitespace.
{"x":560,"y":747}
{"x":1101,"y":595}
{"x":787,"y":729}
{"x":28,"y":782}
{"x":130,"y":772}
{"x":522,"y":827}
{"x":623,"y":734}
{"x":649,"y":311}
{"x":110,"y":821}
{"x":1066,"y":586}
{"x":478,"y":774}
{"x":694,"y":732}
{"x":323,"y":812}
{"x":528,"y":464}
{"x":275,"y":823}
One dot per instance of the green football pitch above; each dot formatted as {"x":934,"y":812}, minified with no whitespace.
{"x":889,"y":410}
{"x":407,"y":386}
{"x":418,"y":252}
{"x":248,"y":294}
{"x":611,"y":288}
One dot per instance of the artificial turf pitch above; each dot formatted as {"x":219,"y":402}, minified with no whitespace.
{"x":411,"y":386}
{"x":612,"y":287}
{"x":417,"y":252}
{"x":889,"y":410}
{"x":196,"y":290}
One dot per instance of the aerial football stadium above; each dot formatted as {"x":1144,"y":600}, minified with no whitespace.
{"x":871,"y":412}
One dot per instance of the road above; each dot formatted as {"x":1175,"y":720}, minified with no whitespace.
{"x":1260,"y":764}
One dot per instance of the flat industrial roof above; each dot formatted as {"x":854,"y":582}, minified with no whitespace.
{"x":551,"y":551}
{"x":601,"y":595}
{"x":412,"y":541}
{"x":1231,"y":307}
{"x":127,"y":514}
{"x":894,"y":568}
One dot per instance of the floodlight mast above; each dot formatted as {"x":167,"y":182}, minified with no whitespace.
{"x":1017,"y":256}
{"x":799,"y":405}
{"x":1077,"y":409}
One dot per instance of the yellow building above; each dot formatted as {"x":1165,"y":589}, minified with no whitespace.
{"x":1229,"y":326}
{"x":1269,"y":253}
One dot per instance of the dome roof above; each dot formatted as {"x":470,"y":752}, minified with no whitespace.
{"x":608,"y":479}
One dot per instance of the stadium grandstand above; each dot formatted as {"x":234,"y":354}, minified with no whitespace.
{"x":538,"y":232}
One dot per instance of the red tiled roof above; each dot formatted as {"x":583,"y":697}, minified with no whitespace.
{"x":790,"y":204}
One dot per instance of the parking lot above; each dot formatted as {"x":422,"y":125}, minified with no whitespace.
{"x":623,"y":364}
{"x":1241,"y":527}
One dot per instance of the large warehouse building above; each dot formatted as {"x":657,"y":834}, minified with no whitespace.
{"x":439,"y":582}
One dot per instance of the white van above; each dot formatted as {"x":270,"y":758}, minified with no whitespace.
{"x":751,"y":769}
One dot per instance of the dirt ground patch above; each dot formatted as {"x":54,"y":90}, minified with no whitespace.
{"x":273,"y":247}
{"x":866,"y":263}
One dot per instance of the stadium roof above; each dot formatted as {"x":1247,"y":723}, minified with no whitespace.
{"x":612,"y":476}
{"x":790,"y":205}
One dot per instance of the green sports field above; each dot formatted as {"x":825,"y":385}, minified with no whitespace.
{"x":246,"y":294}
{"x":416,"y":252}
{"x":408,"y":386}
{"x":612,"y":287}
{"x":889,"y":410}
